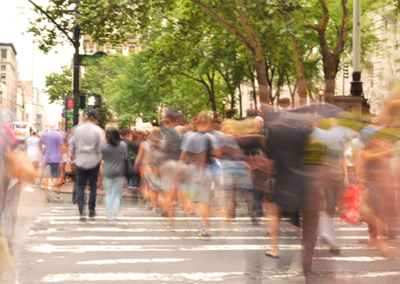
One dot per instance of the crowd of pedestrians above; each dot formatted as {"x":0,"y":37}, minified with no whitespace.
{"x":296,"y":165}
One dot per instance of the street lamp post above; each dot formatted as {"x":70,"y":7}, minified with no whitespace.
{"x":356,"y":85}
{"x":321,"y":93}
{"x":223,"y":108}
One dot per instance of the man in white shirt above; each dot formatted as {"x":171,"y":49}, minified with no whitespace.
{"x":86,"y":147}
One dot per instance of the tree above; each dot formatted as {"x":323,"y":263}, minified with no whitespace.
{"x":56,"y":82}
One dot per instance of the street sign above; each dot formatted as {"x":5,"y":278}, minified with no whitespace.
{"x":84,"y":60}
{"x":70,"y":103}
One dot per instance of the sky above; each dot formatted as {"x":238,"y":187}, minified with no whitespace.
{"x":32,"y":63}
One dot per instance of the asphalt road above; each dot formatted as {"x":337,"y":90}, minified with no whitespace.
{"x":52,"y":246}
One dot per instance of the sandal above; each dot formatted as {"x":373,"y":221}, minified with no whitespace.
{"x":388,"y":254}
{"x":268,"y":253}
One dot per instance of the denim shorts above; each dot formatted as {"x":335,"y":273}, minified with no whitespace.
{"x":54,"y":169}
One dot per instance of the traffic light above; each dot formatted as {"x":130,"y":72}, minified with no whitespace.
{"x":94,"y":101}
{"x":23,"y":108}
{"x":346,"y":71}
{"x":82,"y":102}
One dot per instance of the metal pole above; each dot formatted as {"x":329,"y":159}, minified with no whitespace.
{"x":76,"y":70}
{"x":357,"y":36}
{"x":356,"y":84}
{"x":64,"y":108}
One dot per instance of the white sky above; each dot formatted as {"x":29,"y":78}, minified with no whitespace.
{"x":32,"y":63}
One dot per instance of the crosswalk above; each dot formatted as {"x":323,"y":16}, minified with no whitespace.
{"x":62,"y":249}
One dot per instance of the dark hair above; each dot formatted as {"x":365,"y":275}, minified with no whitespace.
{"x":124,"y":132}
{"x":170,"y":114}
{"x":113,"y":139}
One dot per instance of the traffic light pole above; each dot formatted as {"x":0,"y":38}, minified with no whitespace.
{"x":76,"y":44}
{"x":76,"y":70}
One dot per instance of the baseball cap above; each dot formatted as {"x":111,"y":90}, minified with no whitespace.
{"x":93,"y":114}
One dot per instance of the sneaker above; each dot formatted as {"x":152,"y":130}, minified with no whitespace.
{"x":46,"y":200}
{"x":174,"y":203}
{"x":335,"y":250}
{"x":154,"y":210}
{"x":204,"y":234}
{"x":170,"y":228}
{"x":82,"y":218}
{"x":92,"y":213}
{"x":58,"y":198}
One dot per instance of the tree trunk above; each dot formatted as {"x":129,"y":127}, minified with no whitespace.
{"x":240,"y":101}
{"x":261,"y":74}
{"x":331,"y":66}
{"x":213,"y":104}
{"x":254,"y":95}
{"x":300,"y":74}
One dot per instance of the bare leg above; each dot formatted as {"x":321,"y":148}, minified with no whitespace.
{"x":46,"y":187}
{"x":204,"y":215}
{"x":273,"y":221}
{"x":168,"y":198}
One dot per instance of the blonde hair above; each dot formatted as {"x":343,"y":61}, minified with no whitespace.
{"x":179,"y":129}
{"x":204,"y":117}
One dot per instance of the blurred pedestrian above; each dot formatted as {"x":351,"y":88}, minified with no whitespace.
{"x":86,"y":146}
{"x":114,"y":153}
{"x":197,"y":152}
{"x":33,"y":147}
{"x":170,"y":153}
{"x":54,"y":160}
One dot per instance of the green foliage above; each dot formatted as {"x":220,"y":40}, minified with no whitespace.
{"x":56,"y":82}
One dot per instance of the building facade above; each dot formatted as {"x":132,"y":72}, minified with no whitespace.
{"x":34,"y":109}
{"x":9,"y":76}
{"x":90,"y":47}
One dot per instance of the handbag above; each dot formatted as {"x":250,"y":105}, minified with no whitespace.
{"x":259,"y":174}
{"x":19,"y":166}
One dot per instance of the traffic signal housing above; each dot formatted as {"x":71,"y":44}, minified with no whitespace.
{"x":346,"y":71}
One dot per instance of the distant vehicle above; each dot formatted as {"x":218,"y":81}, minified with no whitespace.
{"x":21,"y":130}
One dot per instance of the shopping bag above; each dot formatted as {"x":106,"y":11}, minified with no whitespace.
{"x":352,"y":204}
{"x":19,"y":166}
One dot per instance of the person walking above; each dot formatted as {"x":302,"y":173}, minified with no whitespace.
{"x":114,"y":153}
{"x":33,"y":147}
{"x":198,"y":150}
{"x":170,"y":151}
{"x":86,"y":147}
{"x":53,"y":158}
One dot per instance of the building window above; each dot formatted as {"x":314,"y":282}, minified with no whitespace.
{"x":3,"y":68}
{"x":119,"y":49}
{"x":100,"y":48}
{"x":132,"y":48}
{"x":3,"y":75}
{"x":4,"y":55}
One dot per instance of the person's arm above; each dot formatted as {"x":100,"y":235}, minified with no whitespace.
{"x":345,"y":170}
{"x":181,"y":162}
{"x":60,"y":152}
{"x":139,"y":157}
{"x":371,"y":155}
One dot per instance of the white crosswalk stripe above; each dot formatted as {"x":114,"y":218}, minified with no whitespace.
{"x":139,"y":249}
